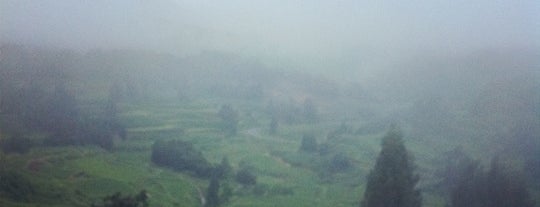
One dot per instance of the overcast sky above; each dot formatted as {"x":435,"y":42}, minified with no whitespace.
{"x":346,"y":33}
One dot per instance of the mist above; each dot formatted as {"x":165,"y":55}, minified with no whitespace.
{"x":324,"y":36}
{"x":291,"y":103}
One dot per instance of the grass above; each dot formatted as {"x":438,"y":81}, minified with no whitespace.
{"x":86,"y":174}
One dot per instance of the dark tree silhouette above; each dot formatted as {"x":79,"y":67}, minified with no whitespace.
{"x":212,"y":193}
{"x":182,"y":156}
{"x":117,"y":200}
{"x":309,"y":143}
{"x":392,"y":182}
{"x":245,"y":177}
{"x":498,"y":187}
{"x":16,"y":144}
{"x":469,"y":189}
{"x":339,"y":163}
{"x":224,"y":169}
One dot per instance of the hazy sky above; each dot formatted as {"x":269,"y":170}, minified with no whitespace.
{"x":315,"y":33}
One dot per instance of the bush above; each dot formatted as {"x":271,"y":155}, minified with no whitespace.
{"x":16,"y":144}
{"x":15,"y":186}
{"x":100,"y":132}
{"x":117,"y":200}
{"x":309,"y":143}
{"x":339,"y":163}
{"x":180,"y":155}
{"x":245,"y":177}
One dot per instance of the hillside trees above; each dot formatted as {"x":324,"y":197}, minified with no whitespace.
{"x":392,"y":182}
{"x":496,"y":187}
{"x":309,"y":143}
{"x":118,"y":200}
{"x":245,"y":177}
{"x":229,"y":118}
{"x":182,"y":156}
{"x":212,"y":193}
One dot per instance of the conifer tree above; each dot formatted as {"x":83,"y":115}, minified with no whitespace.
{"x":212,"y":194}
{"x":392,"y":182}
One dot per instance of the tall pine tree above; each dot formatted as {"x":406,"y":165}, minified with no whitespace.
{"x":392,"y":183}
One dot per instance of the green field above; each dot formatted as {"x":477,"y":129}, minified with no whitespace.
{"x":78,"y":176}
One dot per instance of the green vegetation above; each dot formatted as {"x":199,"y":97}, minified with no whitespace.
{"x":180,"y":155}
{"x":497,"y":187}
{"x":117,"y":200}
{"x":15,"y":186}
{"x":392,"y":182}
{"x":288,"y":145}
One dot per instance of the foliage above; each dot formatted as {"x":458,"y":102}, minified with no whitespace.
{"x":224,"y":169}
{"x":309,"y":143}
{"x":212,"y":193}
{"x":15,"y":186}
{"x":392,"y":182}
{"x":16,"y":144}
{"x":245,"y":177}
{"x":230,"y":119}
{"x":100,"y":132}
{"x":182,"y":156}
{"x":339,"y":163}
{"x":452,"y":164}
{"x":497,"y":187}
{"x":117,"y":200}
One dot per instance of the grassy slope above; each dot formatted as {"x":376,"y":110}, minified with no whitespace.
{"x":78,"y":176}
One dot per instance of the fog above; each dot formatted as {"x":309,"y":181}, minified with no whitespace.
{"x":296,"y":93}
{"x":318,"y":35}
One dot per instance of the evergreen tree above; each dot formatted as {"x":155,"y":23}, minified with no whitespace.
{"x":469,"y":189}
{"x":392,"y":183}
{"x":506,"y":189}
{"x":212,"y":194}
{"x":498,"y":187}
{"x":224,"y":169}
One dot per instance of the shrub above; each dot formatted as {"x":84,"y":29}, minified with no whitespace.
{"x":117,"y":200}
{"x":245,"y":177}
{"x":15,"y":186}
{"x":309,"y":143}
{"x":182,"y":156}
{"x":16,"y":144}
{"x":339,"y":163}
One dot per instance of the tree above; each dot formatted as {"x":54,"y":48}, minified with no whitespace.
{"x":498,"y":187}
{"x":339,"y":163}
{"x":392,"y":182}
{"x":16,"y":144}
{"x":469,"y":191}
{"x":181,"y":156}
{"x":230,"y":119}
{"x":212,"y":193}
{"x":15,"y":185}
{"x":506,"y":189}
{"x":245,"y":177}
{"x":309,"y":143}
{"x":224,"y":169}
{"x":118,"y":200}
